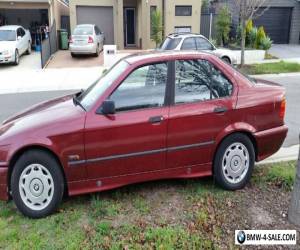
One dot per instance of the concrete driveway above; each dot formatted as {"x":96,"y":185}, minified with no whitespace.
{"x":285,"y":51}
{"x":32,"y":61}
{"x":63,"y":59}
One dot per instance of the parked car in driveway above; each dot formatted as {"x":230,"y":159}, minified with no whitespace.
{"x":14,"y":42}
{"x":86,"y":39}
{"x":151,"y":116}
{"x":188,"y":41}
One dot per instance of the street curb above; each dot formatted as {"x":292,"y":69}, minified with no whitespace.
{"x":284,"y":154}
{"x":278,"y":75}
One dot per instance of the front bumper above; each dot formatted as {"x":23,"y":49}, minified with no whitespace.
{"x":3,"y":181}
{"x":7,"y":58}
{"x":270,"y":141}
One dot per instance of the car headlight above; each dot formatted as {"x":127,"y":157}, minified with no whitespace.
{"x":6,"y":52}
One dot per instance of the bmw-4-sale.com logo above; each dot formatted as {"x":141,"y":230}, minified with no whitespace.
{"x":241,"y":237}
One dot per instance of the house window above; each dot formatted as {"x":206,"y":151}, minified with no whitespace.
{"x":183,"y":29}
{"x":152,"y":10}
{"x":183,"y":10}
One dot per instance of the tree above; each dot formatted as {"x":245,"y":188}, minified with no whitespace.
{"x":156,"y":27}
{"x":249,"y":10}
{"x":223,"y":25}
{"x":294,"y":210}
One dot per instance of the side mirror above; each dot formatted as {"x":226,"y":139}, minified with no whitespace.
{"x":19,"y":38}
{"x":107,"y":108}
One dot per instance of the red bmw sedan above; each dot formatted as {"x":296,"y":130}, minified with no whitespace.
{"x":151,"y":116}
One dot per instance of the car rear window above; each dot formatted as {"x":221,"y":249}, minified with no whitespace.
{"x":7,"y":35}
{"x":84,"y":30}
{"x":170,"y":43}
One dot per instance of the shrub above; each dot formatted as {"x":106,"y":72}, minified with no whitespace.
{"x":156,"y":27}
{"x":223,"y":26}
{"x":249,"y":28}
{"x":266,"y":43}
{"x":252,"y":37}
{"x":239,"y":34}
{"x":261,"y":35}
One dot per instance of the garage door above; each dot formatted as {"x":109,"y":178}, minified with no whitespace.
{"x":277,"y":22}
{"x":101,"y":16}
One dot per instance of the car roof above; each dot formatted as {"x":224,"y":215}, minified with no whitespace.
{"x":185,"y":35}
{"x":162,"y":55}
{"x":10,"y":27}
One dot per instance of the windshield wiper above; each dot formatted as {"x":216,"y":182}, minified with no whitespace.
{"x":76,"y":101}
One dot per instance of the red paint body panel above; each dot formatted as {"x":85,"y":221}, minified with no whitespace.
{"x":109,"y":149}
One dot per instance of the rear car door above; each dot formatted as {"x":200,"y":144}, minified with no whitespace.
{"x":133,"y":140}
{"x":203,"y":104}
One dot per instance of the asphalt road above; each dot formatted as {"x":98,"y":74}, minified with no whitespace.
{"x":12,"y":103}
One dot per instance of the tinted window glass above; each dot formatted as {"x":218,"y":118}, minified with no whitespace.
{"x":83,"y":30}
{"x":203,"y":44}
{"x":183,"y":10}
{"x":189,"y":44}
{"x":199,"y":80}
{"x":143,"y":88}
{"x":7,"y":35}
{"x":170,"y":43}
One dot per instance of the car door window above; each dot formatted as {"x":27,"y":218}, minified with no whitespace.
{"x":189,"y":44}
{"x":144,"y":88}
{"x":203,"y":44}
{"x":199,"y":80}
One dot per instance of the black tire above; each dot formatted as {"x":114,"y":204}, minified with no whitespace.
{"x":49,"y":163}
{"x":28,"y":52}
{"x":219,"y":174}
{"x":226,"y":59}
{"x":17,"y":58}
{"x":97,"y":51}
{"x":73,"y":55}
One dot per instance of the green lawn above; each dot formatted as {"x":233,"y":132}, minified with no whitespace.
{"x":178,"y":214}
{"x":271,"y":68}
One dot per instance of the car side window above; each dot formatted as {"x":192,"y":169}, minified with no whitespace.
{"x":189,"y":44}
{"x":97,"y":30}
{"x":203,"y":44}
{"x":144,"y":88}
{"x":199,"y":80}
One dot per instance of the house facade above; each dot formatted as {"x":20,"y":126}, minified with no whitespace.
{"x":127,"y":23}
{"x":34,"y":13}
{"x":281,"y":19}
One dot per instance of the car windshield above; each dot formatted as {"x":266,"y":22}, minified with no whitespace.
{"x":83,"y":30}
{"x":7,"y":35}
{"x":170,"y":43}
{"x":92,"y":94}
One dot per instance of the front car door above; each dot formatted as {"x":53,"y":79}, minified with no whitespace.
{"x":203,"y":44}
{"x":203,"y":104}
{"x":133,"y":140}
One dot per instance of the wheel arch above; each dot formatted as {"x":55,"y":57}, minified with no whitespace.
{"x":226,"y":57}
{"x":24,"y":149}
{"x":248,"y":133}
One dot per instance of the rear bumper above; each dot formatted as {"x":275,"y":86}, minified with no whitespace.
{"x":3,"y":183}
{"x":270,"y":141}
{"x":83,"y":49}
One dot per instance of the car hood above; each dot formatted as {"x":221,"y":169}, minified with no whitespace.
{"x":46,"y":116}
{"x":5,"y":45}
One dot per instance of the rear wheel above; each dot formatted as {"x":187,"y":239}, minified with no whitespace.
{"x":28,"y":52}
{"x":234,"y":162}
{"x":37,"y":184}
{"x":226,"y":59}
{"x":73,"y":55}
{"x":97,"y":51}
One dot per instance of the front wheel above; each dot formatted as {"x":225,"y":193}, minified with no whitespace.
{"x":226,"y":59}
{"x":17,"y":58}
{"x":37,"y":184}
{"x":28,"y":52}
{"x":234,"y":162}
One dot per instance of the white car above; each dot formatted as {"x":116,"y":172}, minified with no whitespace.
{"x":14,"y":42}
{"x":86,"y":39}
{"x":188,"y":41}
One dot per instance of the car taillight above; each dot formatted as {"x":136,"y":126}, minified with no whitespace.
{"x":282,"y":108}
{"x":91,"y":40}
